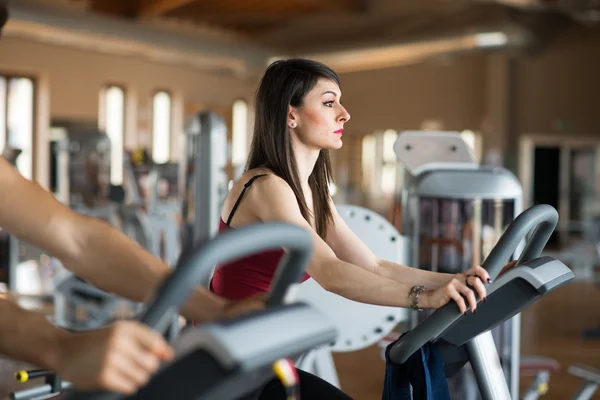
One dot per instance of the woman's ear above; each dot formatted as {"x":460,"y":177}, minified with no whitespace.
{"x":292,"y":120}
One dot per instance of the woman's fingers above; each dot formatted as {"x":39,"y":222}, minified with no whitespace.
{"x":469,"y":295}
{"x":455,"y":295}
{"x":481,"y":273}
{"x":476,"y":284}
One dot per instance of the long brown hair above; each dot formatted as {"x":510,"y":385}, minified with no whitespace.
{"x":286,"y":83}
{"x":3,"y":14}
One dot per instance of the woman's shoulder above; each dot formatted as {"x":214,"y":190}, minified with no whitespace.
{"x":263,"y":179}
{"x":266,"y":191}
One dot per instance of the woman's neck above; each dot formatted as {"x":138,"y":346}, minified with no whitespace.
{"x":305,"y":162}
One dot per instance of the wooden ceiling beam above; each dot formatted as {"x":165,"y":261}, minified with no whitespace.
{"x":118,"y":8}
{"x":250,"y":8}
{"x":351,"y":6}
{"x":154,"y":8}
{"x":242,"y":8}
{"x":262,"y":9}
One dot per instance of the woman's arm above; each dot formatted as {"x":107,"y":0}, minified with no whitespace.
{"x":88,"y":247}
{"x":348,"y":247}
{"x":271,"y":199}
{"x":402,"y":273}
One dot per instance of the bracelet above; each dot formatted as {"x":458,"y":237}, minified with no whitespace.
{"x":413,"y":297}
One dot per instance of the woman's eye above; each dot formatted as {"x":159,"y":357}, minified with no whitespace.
{"x":328,"y":103}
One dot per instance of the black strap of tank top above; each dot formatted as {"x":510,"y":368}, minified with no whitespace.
{"x":237,"y":202}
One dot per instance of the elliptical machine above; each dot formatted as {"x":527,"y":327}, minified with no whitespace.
{"x":227,"y":359}
{"x":453,"y":212}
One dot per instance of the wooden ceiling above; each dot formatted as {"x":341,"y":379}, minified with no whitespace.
{"x":262,"y":8}
{"x":240,"y":15}
{"x":305,"y":25}
{"x":296,"y":24}
{"x":252,"y":18}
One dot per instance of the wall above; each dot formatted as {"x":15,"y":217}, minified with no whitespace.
{"x":553,"y":91}
{"x":559,"y":84}
{"x":74,"y":73}
{"x":562,"y":82}
{"x":70,"y":82}
{"x":402,"y":98}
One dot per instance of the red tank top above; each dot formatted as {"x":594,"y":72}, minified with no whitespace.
{"x":247,"y":276}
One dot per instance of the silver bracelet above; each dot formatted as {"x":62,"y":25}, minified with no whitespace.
{"x":413,"y":297}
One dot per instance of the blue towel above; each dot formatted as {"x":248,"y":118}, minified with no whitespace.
{"x":424,"y":371}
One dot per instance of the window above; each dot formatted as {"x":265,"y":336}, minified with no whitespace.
{"x":2,"y":113}
{"x":16,"y":119}
{"x":369,"y":144}
{"x":239,"y":141}
{"x":473,"y":140}
{"x":112,"y":110}
{"x":161,"y":127}
{"x":389,"y":167}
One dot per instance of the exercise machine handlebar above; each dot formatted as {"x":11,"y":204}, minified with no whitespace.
{"x":231,"y":245}
{"x":196,"y":267}
{"x":541,"y":219}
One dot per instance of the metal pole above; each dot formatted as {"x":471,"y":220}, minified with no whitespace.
{"x":487,"y":368}
{"x":586,"y":391}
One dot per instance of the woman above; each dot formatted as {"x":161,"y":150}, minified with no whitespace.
{"x":299,"y":118}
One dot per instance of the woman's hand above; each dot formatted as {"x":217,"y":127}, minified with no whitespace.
{"x":462,"y":289}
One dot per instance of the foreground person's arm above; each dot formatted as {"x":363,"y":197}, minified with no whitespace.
{"x":121,"y":357}
{"x":92,"y":249}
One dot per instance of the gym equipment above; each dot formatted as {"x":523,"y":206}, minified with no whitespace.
{"x":152,"y":220}
{"x":203,"y":179}
{"x":162,"y":215}
{"x":235,"y":357}
{"x":80,"y":167}
{"x":359,"y":325}
{"x":453,"y":212}
{"x":591,"y":378}
{"x":229,"y":359}
{"x":204,"y":183}
{"x":52,"y":384}
{"x":11,"y":154}
{"x":30,"y":272}
{"x":463,"y":339}
{"x":540,"y":368}
{"x":80,"y":306}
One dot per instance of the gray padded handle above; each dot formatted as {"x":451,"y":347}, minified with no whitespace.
{"x":542,"y":217}
{"x":230,"y":245}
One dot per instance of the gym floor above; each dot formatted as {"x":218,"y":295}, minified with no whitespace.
{"x":550,"y":328}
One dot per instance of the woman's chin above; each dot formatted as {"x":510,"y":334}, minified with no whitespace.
{"x":336,"y":144}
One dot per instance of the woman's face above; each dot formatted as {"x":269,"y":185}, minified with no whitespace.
{"x":319,"y":121}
